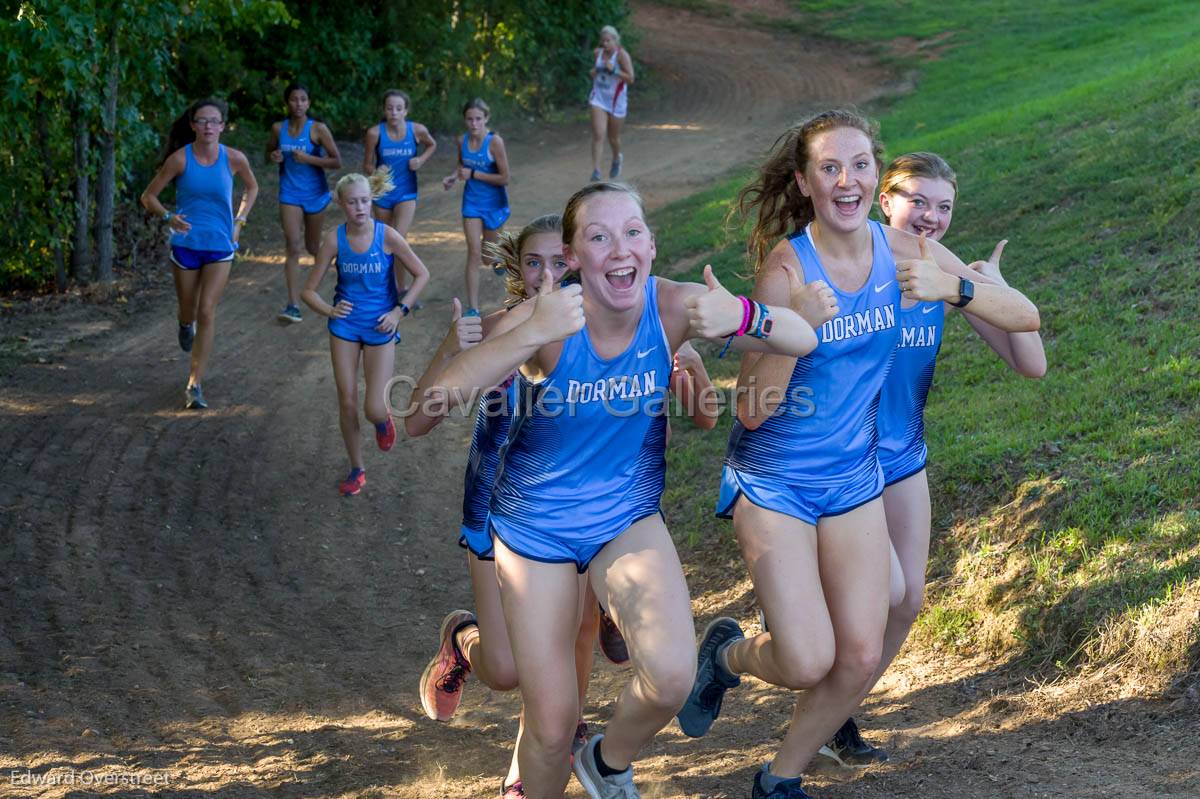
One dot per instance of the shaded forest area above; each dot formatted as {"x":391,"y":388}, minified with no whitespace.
{"x":90,"y":89}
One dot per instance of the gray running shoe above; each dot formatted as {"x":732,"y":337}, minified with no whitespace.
{"x":194,"y":399}
{"x":595,"y":176}
{"x":615,"y":786}
{"x":703,"y":705}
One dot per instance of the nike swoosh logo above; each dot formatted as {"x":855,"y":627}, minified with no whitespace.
{"x":644,"y":353}
{"x":883,"y":286}
{"x":929,"y":309}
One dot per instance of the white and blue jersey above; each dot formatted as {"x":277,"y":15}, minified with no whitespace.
{"x":397,"y":154}
{"x":901,"y":419}
{"x":585,"y":456}
{"x":365,"y":279}
{"x":301,"y":184}
{"x":204,"y":197}
{"x":817,"y":454}
{"x":483,"y":200}
{"x":492,"y":421}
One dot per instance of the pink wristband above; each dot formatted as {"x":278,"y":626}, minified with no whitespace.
{"x":746,"y":311}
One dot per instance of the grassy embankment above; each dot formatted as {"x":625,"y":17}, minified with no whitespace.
{"x":1066,"y":510}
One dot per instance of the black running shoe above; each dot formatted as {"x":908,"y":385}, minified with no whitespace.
{"x":187,"y":334}
{"x":703,"y":705}
{"x":848,"y":748}
{"x":785,"y":789}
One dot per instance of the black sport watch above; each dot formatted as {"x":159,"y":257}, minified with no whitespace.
{"x":966,"y":292}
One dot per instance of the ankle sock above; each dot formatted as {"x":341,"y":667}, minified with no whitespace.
{"x":605,"y":769}
{"x":769,"y":781}
{"x":723,"y":659}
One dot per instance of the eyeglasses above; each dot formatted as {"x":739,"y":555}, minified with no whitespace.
{"x":211,"y":122}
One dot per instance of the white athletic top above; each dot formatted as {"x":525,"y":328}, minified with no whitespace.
{"x":608,"y":91}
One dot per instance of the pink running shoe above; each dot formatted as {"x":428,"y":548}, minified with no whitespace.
{"x":442,"y":681}
{"x":386,"y":437}
{"x":514,"y":791}
{"x":353,"y":483}
{"x":612,"y":643}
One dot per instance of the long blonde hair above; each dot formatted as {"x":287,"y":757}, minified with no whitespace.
{"x":773,"y":196}
{"x":506,"y":251}
{"x":379,"y":184}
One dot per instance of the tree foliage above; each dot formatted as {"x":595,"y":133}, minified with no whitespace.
{"x":89,"y":88}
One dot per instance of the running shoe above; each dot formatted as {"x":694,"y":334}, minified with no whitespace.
{"x":784,"y":789}
{"x":614,"y":786}
{"x":386,"y":438}
{"x":614,"y":171}
{"x":595,"y":176}
{"x":848,"y":748}
{"x":514,"y":791}
{"x":187,"y":334}
{"x":612,"y":643}
{"x":703,"y":705}
{"x":581,"y":737}
{"x":290,"y":314}
{"x":353,"y":483}
{"x":193,"y":399}
{"x":442,"y":681}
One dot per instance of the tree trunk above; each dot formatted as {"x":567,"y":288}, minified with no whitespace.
{"x":81,"y":252}
{"x":107,"y":184}
{"x":43,"y":129}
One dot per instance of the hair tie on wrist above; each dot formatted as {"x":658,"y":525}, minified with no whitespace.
{"x":746,"y":313}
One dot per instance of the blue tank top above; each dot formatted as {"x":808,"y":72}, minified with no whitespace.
{"x":296,"y":179}
{"x":204,"y":196}
{"x":901,"y":420}
{"x":478,"y":195}
{"x":366,"y":279}
{"x":491,"y":428}
{"x":397,"y":154}
{"x":824,"y":429}
{"x":586,"y":447}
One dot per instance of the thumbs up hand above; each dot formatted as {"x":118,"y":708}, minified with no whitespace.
{"x":815,"y":301}
{"x":714,"y":313}
{"x":557,"y":314}
{"x":468,"y":329}
{"x":923,"y":280}
{"x":991,"y":267}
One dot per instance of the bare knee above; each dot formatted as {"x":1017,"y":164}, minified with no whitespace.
{"x":497,"y":673}
{"x":666,"y":684}
{"x":802,"y":668}
{"x":552,"y":727}
{"x":856,"y":663}
{"x":348,"y":405}
{"x":909,"y":608}
{"x":206,"y":313}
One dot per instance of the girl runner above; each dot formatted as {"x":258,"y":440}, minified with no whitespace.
{"x":582,"y":476}
{"x":803,"y":477}
{"x":393,"y":143}
{"x":917,"y":194}
{"x":304,"y":148}
{"x":366,"y":312}
{"x":483,"y":168}
{"x":479,"y":643}
{"x":612,"y":75}
{"x":205,"y":229}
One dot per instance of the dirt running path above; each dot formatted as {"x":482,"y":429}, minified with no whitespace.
{"x":185,"y":598}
